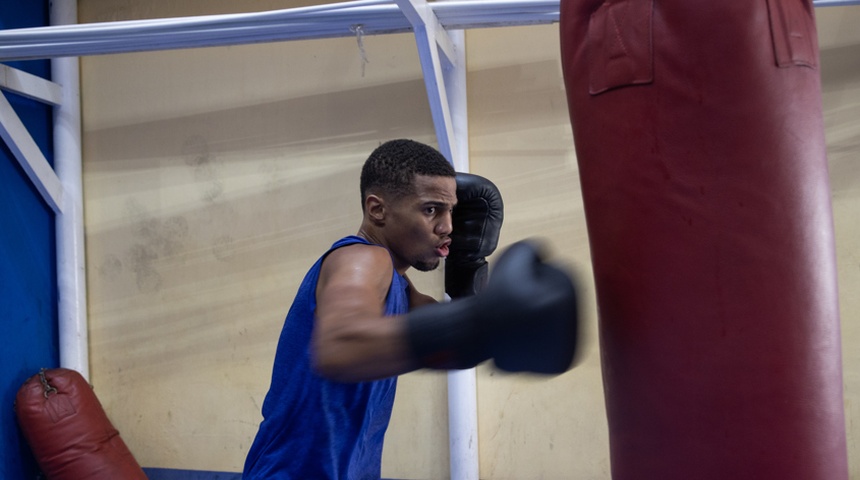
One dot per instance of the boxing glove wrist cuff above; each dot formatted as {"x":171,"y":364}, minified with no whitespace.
{"x":465,"y":279}
{"x":446,"y":335}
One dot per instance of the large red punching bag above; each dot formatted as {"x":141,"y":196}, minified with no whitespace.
{"x":699,"y":136}
{"x":68,"y":431}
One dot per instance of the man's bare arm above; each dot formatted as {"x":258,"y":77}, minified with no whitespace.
{"x":352,"y":339}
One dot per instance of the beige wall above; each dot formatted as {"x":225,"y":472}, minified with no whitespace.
{"x":840,"y":59}
{"x":214,"y":178}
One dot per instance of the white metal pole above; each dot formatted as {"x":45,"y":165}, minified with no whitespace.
{"x":462,"y":384}
{"x":463,"y":425}
{"x":71,"y":266}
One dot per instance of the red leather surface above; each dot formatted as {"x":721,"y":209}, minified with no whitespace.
{"x":69,"y":432}
{"x":699,"y":135}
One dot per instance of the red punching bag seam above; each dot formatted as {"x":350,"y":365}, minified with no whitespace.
{"x":792,"y":28}
{"x":619,"y":38}
{"x":620,"y":45}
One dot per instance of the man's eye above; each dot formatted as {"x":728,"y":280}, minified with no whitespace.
{"x":430,"y":210}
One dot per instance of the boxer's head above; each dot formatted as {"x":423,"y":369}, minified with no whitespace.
{"x":390,"y":169}
{"x":408,"y":191}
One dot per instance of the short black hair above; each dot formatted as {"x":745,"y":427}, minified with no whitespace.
{"x":394,"y":164}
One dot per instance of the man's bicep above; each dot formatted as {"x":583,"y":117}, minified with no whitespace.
{"x":353,"y":282}
{"x":352,"y":339}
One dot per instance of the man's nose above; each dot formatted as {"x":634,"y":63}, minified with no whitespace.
{"x":446,"y":224}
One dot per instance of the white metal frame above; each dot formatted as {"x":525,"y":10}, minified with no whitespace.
{"x":19,"y":140}
{"x":437,"y":27}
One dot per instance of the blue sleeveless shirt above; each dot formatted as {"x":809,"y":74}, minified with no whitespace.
{"x":313,"y":428}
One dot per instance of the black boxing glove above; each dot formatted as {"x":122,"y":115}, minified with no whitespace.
{"x":476,"y":221}
{"x":526,"y":319}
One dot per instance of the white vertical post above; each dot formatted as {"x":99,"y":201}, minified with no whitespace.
{"x":71,"y":265}
{"x":463,"y":425}
{"x":462,"y":384}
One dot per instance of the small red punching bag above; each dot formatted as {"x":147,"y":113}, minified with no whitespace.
{"x":699,"y":135}
{"x":68,"y":431}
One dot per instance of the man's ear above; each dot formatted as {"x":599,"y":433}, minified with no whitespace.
{"x":375,"y":208}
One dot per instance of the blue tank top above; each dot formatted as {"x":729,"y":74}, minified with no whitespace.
{"x":313,"y":428}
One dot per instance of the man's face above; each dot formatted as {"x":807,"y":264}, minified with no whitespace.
{"x":419,"y":226}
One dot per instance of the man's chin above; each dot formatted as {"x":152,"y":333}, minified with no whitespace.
{"x":426,"y":266}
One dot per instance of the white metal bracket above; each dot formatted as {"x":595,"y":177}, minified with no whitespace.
{"x":19,"y":140}
{"x":30,"y":86}
{"x":431,"y":38}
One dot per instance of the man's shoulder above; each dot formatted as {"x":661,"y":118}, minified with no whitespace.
{"x":359,"y":252}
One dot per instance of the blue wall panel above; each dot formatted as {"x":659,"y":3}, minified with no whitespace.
{"x":28,"y":293}
{"x":171,"y":474}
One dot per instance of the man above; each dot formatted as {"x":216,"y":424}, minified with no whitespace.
{"x":357,"y":321}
